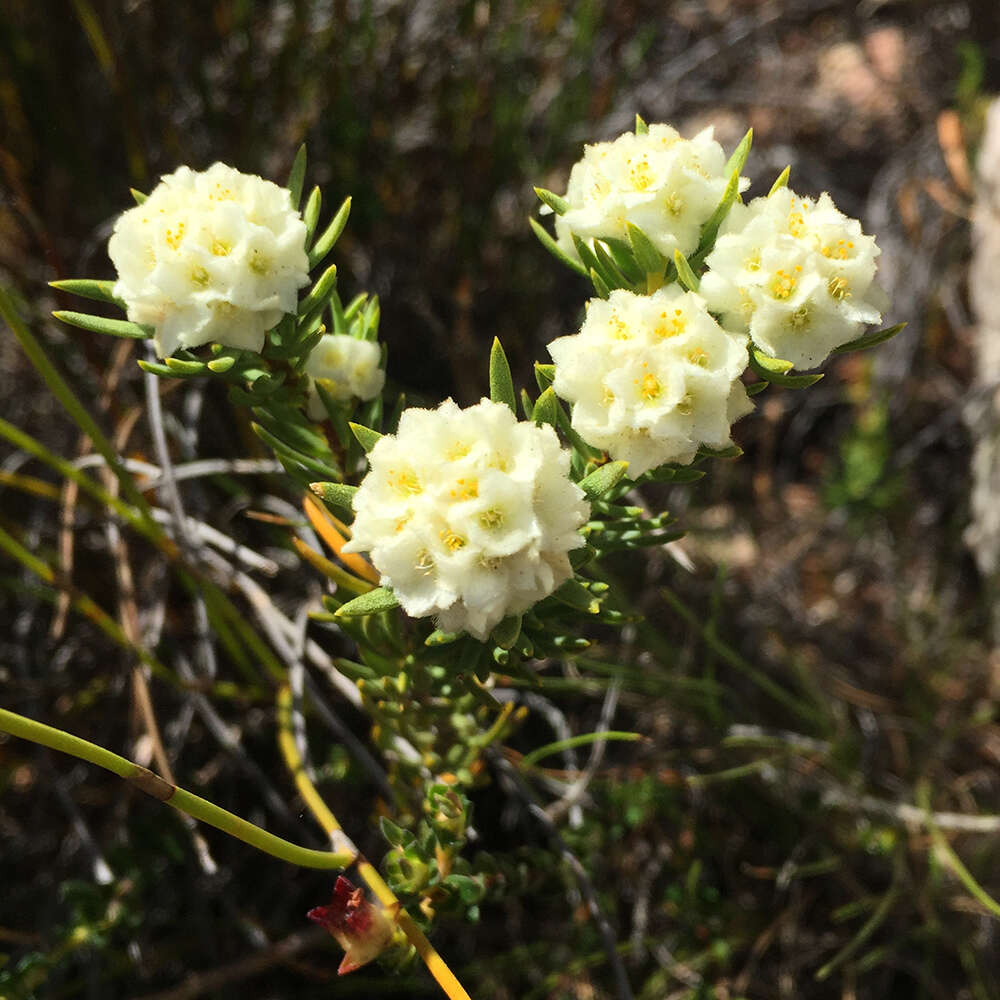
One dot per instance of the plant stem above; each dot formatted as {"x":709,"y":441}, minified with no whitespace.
{"x":181,"y":800}
{"x":436,"y":965}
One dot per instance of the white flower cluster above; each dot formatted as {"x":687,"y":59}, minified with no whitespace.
{"x":210,"y":256}
{"x":652,"y":377}
{"x":666,"y":185}
{"x":347,"y":367}
{"x":796,"y":274}
{"x":468,"y":514}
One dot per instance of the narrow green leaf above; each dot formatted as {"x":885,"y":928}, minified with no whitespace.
{"x":290,"y":454}
{"x":310,"y":214}
{"x":440,"y":638}
{"x":646,"y":255}
{"x":613,"y":278}
{"x":366,"y":437}
{"x":501,"y":383}
{"x":375,"y":601}
{"x":320,"y":292}
{"x":710,"y":230}
{"x":778,"y":378}
{"x":354,"y":307}
{"x":109,"y":327}
{"x":526,"y":404}
{"x":553,"y":248}
{"x":730,"y":451}
{"x":641,"y":128}
{"x":545,"y":408}
{"x":774,"y":366}
{"x":138,"y":196}
{"x":182,"y":367}
{"x":687,"y":278}
{"x":739,"y":158}
{"x":599,"y":286}
{"x":625,"y":260}
{"x":603,"y":479}
{"x":507,"y":632}
{"x":870,"y":339}
{"x":331,"y":234}
{"x":159,"y":369}
{"x":296,"y":176}
{"x":339,"y":495}
{"x":545,"y":375}
{"x":780,"y":181}
{"x":576,"y":595}
{"x":370,"y":319}
{"x":558,"y":205}
{"x":221,"y":365}
{"x":755,"y":388}
{"x":89,"y":288}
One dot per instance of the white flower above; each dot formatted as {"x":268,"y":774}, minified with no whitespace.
{"x":652,"y":377}
{"x":210,"y":256}
{"x":347,"y":367}
{"x":468,"y":514}
{"x":795,"y":274}
{"x":666,"y":185}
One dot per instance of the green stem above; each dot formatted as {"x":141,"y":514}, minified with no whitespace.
{"x":575,"y":741}
{"x":727,"y":653}
{"x":183,"y":801}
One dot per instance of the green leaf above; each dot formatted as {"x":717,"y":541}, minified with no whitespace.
{"x":290,"y":454}
{"x":775,"y":366}
{"x":687,"y":278}
{"x":182,"y":367}
{"x":576,"y":595}
{"x":441,"y":638}
{"x":396,"y":835}
{"x":553,"y":248}
{"x":710,"y":230}
{"x":320,"y":292}
{"x":613,"y":278}
{"x":641,"y":128}
{"x":137,"y":196}
{"x":646,"y":255}
{"x":310,"y":214}
{"x":375,"y":601}
{"x":603,"y":479}
{"x":870,"y":339}
{"x":772,"y":370}
{"x":526,"y":404}
{"x":331,"y":234}
{"x":545,"y":408}
{"x":366,"y":437}
{"x":221,"y":365}
{"x":545,"y":375}
{"x":339,"y":495}
{"x":780,"y":181}
{"x":625,"y":260}
{"x":89,"y":288}
{"x":599,"y":285}
{"x":501,"y":384}
{"x":755,"y":388}
{"x":506,"y":633}
{"x":730,"y":451}
{"x":109,"y":327}
{"x":558,"y":205}
{"x":296,"y":176}
{"x":739,"y":158}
